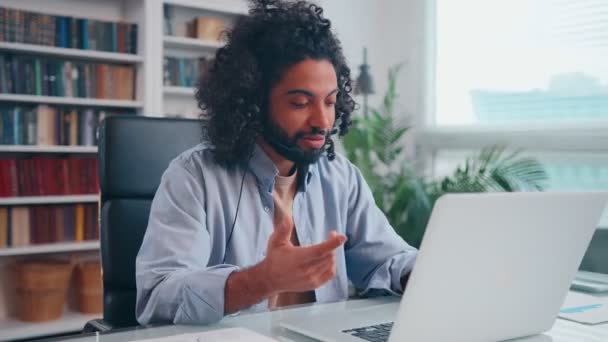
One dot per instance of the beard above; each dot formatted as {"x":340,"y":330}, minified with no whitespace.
{"x":288,"y":147}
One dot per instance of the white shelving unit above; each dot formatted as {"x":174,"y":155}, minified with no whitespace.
{"x":151,"y":99}
{"x":48,"y":199}
{"x":180,"y":101}
{"x":50,"y":248}
{"x":74,"y":101}
{"x":221,"y":6}
{"x":12,"y":329}
{"x":47,"y":149}
{"x":148,"y":89}
{"x":183,"y":91}
{"x":190,"y":43}
{"x":71,"y":53}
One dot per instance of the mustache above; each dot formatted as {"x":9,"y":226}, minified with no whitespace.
{"x":314,"y":131}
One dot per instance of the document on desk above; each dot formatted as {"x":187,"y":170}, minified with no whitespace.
{"x":585,"y":308}
{"x":227,"y":335}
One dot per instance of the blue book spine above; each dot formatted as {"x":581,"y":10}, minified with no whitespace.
{"x":84,"y":33}
{"x":8,"y":128}
{"x":61,"y":31}
{"x":114,"y":37}
{"x":17,"y":126}
{"x":182,"y":73}
{"x":2,"y":124}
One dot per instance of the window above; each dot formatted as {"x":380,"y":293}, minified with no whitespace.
{"x":521,"y":61}
{"x":525,"y":74}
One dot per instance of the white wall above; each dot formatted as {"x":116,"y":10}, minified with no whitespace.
{"x":394,"y":31}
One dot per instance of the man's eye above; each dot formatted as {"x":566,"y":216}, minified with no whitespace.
{"x":330,"y":104}
{"x":299,"y":104}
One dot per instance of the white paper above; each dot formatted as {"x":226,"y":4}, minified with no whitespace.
{"x":227,"y":335}
{"x":585,"y":308}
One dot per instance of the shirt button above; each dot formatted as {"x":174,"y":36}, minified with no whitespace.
{"x":266,"y":209}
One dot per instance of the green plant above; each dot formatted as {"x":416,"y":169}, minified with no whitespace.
{"x":375,"y":145}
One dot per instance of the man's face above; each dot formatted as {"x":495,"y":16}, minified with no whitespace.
{"x":302,"y":110}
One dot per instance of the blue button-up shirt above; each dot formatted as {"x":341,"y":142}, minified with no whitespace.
{"x":185,"y":258}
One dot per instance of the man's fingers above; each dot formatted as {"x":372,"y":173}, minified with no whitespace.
{"x":324,"y":271}
{"x":333,"y":242}
{"x":282,"y":230}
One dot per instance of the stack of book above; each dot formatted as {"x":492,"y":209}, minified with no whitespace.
{"x":51,"y":125}
{"x":184,"y":72}
{"x":33,"y":75}
{"x":23,"y":226}
{"x":21,"y":26}
{"x":44,"y":176}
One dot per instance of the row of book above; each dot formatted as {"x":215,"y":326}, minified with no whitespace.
{"x":51,"y":125}
{"x":33,"y":75}
{"x":184,"y":72}
{"x":28,"y":27}
{"x":23,"y":226}
{"x":45,"y":175}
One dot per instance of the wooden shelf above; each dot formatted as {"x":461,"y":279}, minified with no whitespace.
{"x":215,"y":6}
{"x":48,"y":199}
{"x":70,"y":101}
{"x":59,"y":247}
{"x":12,"y":329}
{"x":181,"y":91}
{"x":190,"y":43}
{"x":47,"y":149}
{"x":73,"y":53}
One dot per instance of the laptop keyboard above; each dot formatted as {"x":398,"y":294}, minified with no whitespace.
{"x":373,"y":333}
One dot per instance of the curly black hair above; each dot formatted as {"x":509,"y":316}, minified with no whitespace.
{"x":234,"y":92}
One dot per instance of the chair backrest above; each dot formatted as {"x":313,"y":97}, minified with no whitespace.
{"x":134,"y":152}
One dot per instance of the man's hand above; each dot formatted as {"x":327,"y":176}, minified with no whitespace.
{"x":286,"y":268}
{"x":289,"y":268}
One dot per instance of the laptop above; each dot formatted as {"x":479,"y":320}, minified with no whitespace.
{"x":491,"y":267}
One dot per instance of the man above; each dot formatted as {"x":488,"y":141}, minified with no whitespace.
{"x":264,"y":214}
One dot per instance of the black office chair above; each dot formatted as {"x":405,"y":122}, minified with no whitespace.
{"x":134,"y":152}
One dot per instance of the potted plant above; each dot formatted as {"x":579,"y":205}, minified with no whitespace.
{"x":375,"y":145}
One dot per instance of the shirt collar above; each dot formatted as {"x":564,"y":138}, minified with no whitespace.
{"x":265,"y":171}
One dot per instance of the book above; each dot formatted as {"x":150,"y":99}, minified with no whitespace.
{"x":22,"y":74}
{"x":208,"y":28}
{"x":4,"y":224}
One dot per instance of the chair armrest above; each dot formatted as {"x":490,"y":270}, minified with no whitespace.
{"x":95,"y":325}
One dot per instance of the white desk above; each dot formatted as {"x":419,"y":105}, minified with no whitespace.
{"x":268,"y":324}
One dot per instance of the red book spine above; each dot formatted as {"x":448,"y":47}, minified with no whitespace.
{"x":96,"y":176}
{"x":22,"y":176}
{"x":74,"y":176}
{"x":3,"y":176}
{"x":65,"y":177}
{"x":13,"y":177}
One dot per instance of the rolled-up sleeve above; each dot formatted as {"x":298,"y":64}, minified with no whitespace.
{"x":175,"y":283}
{"x":377,"y":258}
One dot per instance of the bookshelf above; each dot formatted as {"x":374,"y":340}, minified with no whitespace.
{"x":145,"y":63}
{"x":71,"y":321}
{"x":178,"y":97}
{"x":150,"y":97}
{"x":226,"y":7}
{"x":69,"y":101}
{"x":51,"y":248}
{"x":48,"y":149}
{"x":71,"y":53}
{"x":171,"y":42}
{"x":179,"y":91}
{"x":29,"y":200}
